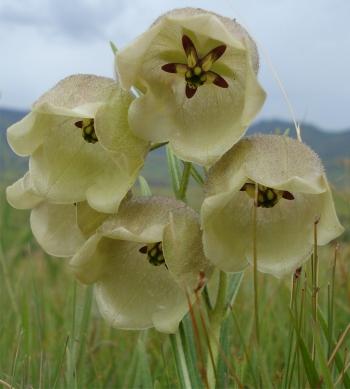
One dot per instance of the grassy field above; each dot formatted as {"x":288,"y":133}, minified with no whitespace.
{"x":51,"y":334}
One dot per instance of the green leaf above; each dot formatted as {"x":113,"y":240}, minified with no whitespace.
{"x":338,"y":359}
{"x":249,"y":364}
{"x":144,"y":187}
{"x":144,"y":376}
{"x":196,"y":175}
{"x":309,"y":364}
{"x":188,"y":342}
{"x":83,"y":329}
{"x":180,"y":361}
{"x":233,"y":285}
{"x":113,"y":47}
{"x":326,"y":374}
{"x":222,"y":378}
{"x":184,"y":180}
{"x":174,"y":170}
{"x":131,"y":373}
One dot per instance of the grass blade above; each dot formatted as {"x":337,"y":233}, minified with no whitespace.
{"x":196,"y":175}
{"x":222,"y":376}
{"x":113,"y":47}
{"x":184,"y":180}
{"x":188,"y":343}
{"x":144,"y":187}
{"x":144,"y":376}
{"x":309,"y":364}
{"x":174,"y":170}
{"x":325,"y":371}
{"x":233,"y":285}
{"x":337,"y":358}
{"x":180,"y":361}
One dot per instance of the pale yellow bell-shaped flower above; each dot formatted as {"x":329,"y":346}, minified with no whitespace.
{"x":80,"y":144}
{"x":197,"y":72}
{"x":21,"y":194}
{"x":60,"y":229}
{"x":143,"y":261}
{"x":292,"y":194}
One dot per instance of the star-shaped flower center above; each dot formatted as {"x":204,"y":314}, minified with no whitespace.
{"x":267,"y":197}
{"x":197,"y":70}
{"x":88,"y":130}
{"x":154,"y":253}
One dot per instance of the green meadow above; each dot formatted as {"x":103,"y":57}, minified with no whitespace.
{"x":51,"y":334}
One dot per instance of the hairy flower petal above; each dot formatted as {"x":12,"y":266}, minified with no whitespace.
{"x":200,"y":119}
{"x":21,"y":194}
{"x":80,"y":144}
{"x":285,"y":229}
{"x":133,"y":293}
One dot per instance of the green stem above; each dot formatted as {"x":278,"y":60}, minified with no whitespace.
{"x":255,"y":267}
{"x":216,"y":317}
{"x":184,"y":180}
{"x":331,"y":303}
{"x":220,"y":305}
{"x":314,"y":285}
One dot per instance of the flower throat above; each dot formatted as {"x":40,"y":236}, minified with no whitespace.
{"x":154,"y":253}
{"x":88,"y":130}
{"x":197,"y":70}
{"x":267,"y":197}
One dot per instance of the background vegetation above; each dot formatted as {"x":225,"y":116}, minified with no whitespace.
{"x":51,"y":334}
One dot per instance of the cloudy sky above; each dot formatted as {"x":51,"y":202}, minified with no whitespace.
{"x":307,"y":42}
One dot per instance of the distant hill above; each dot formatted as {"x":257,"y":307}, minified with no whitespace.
{"x":11,"y":166}
{"x":332,"y":147}
{"x":328,"y":145}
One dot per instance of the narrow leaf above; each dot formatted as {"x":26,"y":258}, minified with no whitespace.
{"x":338,"y":359}
{"x":144,"y":187}
{"x":196,"y":175}
{"x":309,"y":365}
{"x":326,"y":374}
{"x":174,"y":170}
{"x":234,"y":283}
{"x":222,"y":368}
{"x":113,"y":47}
{"x":180,"y":361}
{"x":144,"y":376}
{"x":189,"y":346}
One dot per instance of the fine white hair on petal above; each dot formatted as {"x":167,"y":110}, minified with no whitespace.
{"x":232,"y":25}
{"x":284,"y":231}
{"x":131,"y":292}
{"x":21,"y":194}
{"x":65,"y":165}
{"x":76,"y":90}
{"x":269,"y":160}
{"x":201,"y":119}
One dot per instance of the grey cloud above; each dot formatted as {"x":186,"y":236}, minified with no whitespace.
{"x":19,"y":12}
{"x":308,"y":43}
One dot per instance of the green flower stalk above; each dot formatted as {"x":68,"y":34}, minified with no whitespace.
{"x":292,"y":193}
{"x":197,"y":72}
